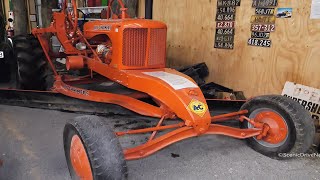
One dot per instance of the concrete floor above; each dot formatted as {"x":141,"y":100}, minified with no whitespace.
{"x":31,"y":148}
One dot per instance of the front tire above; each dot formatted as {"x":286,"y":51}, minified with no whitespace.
{"x":291,"y":126}
{"x":92,"y":150}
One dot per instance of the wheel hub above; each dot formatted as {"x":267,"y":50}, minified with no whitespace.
{"x":278,"y":128}
{"x":79,"y":159}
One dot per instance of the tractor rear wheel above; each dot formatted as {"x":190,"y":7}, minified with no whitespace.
{"x":291,"y":127}
{"x":31,"y":63}
{"x":92,"y":150}
{"x":6,"y":56}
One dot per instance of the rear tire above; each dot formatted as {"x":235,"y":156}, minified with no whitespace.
{"x":31,"y":63}
{"x":5,"y":62}
{"x":105,"y":159}
{"x":300,"y":126}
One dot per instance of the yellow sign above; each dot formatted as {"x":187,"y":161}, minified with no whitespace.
{"x":263,"y":19}
{"x":198,"y":107}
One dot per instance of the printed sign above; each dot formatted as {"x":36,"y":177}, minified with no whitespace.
{"x":315,"y":9}
{"x":263,"y":27}
{"x":224,"y":38}
{"x":264,"y":11}
{"x":228,"y":3}
{"x":308,"y":97}
{"x":102,"y":27}
{"x":223,"y":45}
{"x":226,"y":10}
{"x":225,"y":17}
{"x":225,"y":24}
{"x":198,"y":107}
{"x":225,"y":31}
{"x":175,"y":81}
{"x":284,"y":13}
{"x":263,"y":19}
{"x":259,"y":42}
{"x":264,"y":3}
{"x":1,"y":55}
{"x":75,"y":90}
{"x":263,"y":35}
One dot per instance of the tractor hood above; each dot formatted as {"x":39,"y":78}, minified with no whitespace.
{"x":115,"y":25}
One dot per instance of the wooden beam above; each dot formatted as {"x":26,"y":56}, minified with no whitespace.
{"x":20,"y":17}
{"x":46,"y":11}
{"x":1,"y":8}
{"x":141,"y":8}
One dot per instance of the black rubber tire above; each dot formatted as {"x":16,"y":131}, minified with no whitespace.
{"x":5,"y":63}
{"x":102,"y":146}
{"x":300,"y":125}
{"x":32,"y":69}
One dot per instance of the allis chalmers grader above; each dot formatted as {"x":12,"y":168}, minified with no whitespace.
{"x":132,"y":53}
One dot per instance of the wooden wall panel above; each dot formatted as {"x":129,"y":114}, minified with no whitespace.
{"x":141,"y":8}
{"x":294,"y":55}
{"x":6,"y":8}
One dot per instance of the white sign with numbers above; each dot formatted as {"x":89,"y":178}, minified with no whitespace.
{"x":1,"y":54}
{"x":315,"y":9}
{"x":175,"y":81}
{"x":308,"y":97}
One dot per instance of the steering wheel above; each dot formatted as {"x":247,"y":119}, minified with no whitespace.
{"x":71,"y":20}
{"x":123,"y":9}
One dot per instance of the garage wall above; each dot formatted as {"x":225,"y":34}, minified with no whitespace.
{"x":31,"y":10}
{"x":294,"y":55}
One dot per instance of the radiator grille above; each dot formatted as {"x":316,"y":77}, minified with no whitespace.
{"x":139,"y":51}
{"x":134,"y":46}
{"x":157,"y":49}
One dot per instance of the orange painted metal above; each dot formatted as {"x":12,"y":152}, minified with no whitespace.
{"x":155,"y":132}
{"x":74,"y":62}
{"x":159,"y":143}
{"x":44,"y":45}
{"x":229,"y":116}
{"x":121,"y":100}
{"x":122,"y":9}
{"x":278,"y":129}
{"x":79,"y":159}
{"x":176,"y":100}
{"x":130,"y":38}
{"x":71,"y":19}
{"x":184,"y":133}
{"x":234,"y":132}
{"x":145,"y":130}
{"x":57,"y":27}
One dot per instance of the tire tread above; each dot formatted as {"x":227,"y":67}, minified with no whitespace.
{"x":103,"y":147}
{"x":32,"y":67}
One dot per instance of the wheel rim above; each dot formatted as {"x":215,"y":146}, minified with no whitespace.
{"x":278,"y":132}
{"x":79,"y":159}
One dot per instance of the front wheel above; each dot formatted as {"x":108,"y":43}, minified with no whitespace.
{"x":92,"y":150}
{"x":291,"y":126}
